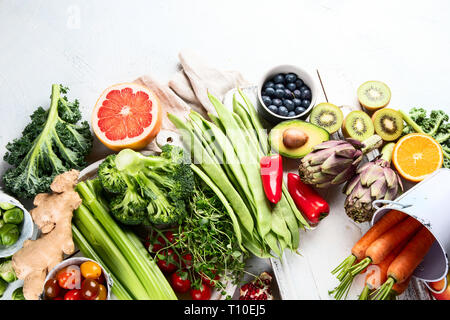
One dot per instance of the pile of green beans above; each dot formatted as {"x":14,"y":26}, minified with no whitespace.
{"x":226,"y":152}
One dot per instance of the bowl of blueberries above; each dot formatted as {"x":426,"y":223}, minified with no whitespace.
{"x":286,"y":92}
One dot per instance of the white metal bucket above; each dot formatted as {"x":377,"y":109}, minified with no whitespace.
{"x":428,"y":202}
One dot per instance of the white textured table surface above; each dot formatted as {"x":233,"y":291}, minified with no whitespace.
{"x":89,"y":45}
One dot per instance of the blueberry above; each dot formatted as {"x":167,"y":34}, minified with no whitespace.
{"x":279,"y":93}
{"x":291,"y":86}
{"x":297,"y":102}
{"x":269,"y":92}
{"x":282,"y":111}
{"x":306,"y":94}
{"x":279,"y":86}
{"x":305,"y":103}
{"x":299,"y":83}
{"x":299,"y":110}
{"x":279,"y":78}
{"x":273,"y":108}
{"x":289,"y":104}
{"x":291,"y":114}
{"x":288,"y":94}
{"x":297,"y":94}
{"x":277,"y":102}
{"x":268,"y":84}
{"x":303,"y":88}
{"x":290,"y":78}
{"x":266,"y":100}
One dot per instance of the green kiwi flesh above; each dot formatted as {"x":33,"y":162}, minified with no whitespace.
{"x":388,"y":124}
{"x":374,"y":95}
{"x":358,"y":125}
{"x":327,"y":116}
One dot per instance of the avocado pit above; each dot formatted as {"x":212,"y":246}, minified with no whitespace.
{"x":294,"y":138}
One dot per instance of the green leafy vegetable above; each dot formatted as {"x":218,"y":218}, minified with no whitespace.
{"x":148,"y":188}
{"x":9,"y":234}
{"x":7,"y":272}
{"x":51,"y":144}
{"x":436,"y":125}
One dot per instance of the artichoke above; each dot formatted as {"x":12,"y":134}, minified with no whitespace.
{"x":334,"y":162}
{"x":374,"y":180}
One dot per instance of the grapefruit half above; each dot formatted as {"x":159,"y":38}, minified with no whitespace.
{"x":127,"y":115}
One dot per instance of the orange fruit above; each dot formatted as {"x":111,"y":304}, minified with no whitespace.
{"x":127,"y":115}
{"x":416,"y":155}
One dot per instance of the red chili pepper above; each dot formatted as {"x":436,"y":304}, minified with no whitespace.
{"x":307,"y":200}
{"x":272,"y":176}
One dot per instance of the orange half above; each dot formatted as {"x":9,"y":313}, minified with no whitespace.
{"x":416,"y":155}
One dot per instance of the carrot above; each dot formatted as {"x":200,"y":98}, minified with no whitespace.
{"x":389,"y":220}
{"x":388,"y":241}
{"x":399,"y":288}
{"x":406,"y":262}
{"x":383,"y":246}
{"x":359,"y":249}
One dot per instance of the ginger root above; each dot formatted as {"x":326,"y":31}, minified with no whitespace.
{"x":53,"y":216}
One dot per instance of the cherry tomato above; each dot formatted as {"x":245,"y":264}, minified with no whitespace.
{"x":169,"y":263}
{"x":69,"y":277}
{"x":180,"y":282}
{"x":89,"y":289}
{"x":102,"y":292}
{"x":186,"y":261}
{"x":90,"y":270}
{"x":74,"y":294}
{"x":203,"y":293}
{"x":51,"y":289}
{"x":58,"y":298}
{"x":169,"y":235}
{"x":211,"y":278}
{"x":101,"y":279}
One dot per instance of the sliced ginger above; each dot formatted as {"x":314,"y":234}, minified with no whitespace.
{"x":53,"y":216}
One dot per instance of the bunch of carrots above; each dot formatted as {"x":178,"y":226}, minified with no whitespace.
{"x":389,"y":253}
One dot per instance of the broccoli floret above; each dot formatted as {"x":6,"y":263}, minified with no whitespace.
{"x":165,"y":183}
{"x":129,"y":208}
{"x":110,"y":177}
{"x":52,"y":143}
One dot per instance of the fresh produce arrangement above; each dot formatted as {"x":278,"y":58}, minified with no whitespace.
{"x":180,"y":222}
{"x":77,"y":282}
{"x":11,"y":218}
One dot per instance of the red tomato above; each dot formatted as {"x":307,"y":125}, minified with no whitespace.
{"x":208,"y":279}
{"x":169,"y":235}
{"x":74,"y":294}
{"x":203,"y":293}
{"x":180,"y":282}
{"x":186,"y":260}
{"x":58,"y":298}
{"x":51,"y":289}
{"x":69,"y":277}
{"x":170,"y":261}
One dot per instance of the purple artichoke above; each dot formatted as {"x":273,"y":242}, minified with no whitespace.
{"x":334,"y":162}
{"x":374,"y":180}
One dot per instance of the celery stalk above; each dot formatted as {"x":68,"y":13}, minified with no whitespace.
{"x":80,"y":241}
{"x":138,"y":262}
{"x":106,"y":248}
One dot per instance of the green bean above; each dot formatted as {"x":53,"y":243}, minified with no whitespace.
{"x":215,"y":172}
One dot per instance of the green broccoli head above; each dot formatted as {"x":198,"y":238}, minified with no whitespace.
{"x":129,"y":208}
{"x":111,"y":178}
{"x":52,"y":143}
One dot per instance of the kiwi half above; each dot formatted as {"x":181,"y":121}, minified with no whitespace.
{"x":374,"y":95}
{"x":388,"y":124}
{"x":358,"y":125}
{"x":327,"y":116}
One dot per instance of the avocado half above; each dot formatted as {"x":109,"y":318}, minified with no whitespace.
{"x":315,"y":135}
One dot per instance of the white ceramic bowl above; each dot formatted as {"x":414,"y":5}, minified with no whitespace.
{"x":305,"y":75}
{"x":26,"y":227}
{"x":78,"y":261}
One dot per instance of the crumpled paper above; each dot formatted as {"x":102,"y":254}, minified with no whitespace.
{"x":188,"y":89}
